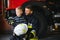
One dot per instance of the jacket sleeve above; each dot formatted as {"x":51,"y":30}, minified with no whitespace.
{"x":35,"y":24}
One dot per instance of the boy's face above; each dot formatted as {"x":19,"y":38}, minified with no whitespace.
{"x":19,"y":12}
{"x":27,"y":11}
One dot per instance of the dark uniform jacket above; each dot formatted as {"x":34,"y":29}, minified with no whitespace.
{"x":34,"y":21}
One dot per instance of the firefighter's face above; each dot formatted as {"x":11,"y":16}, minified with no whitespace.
{"x":27,"y":11}
{"x":19,"y":12}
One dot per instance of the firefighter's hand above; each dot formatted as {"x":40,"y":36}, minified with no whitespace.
{"x":32,"y":34}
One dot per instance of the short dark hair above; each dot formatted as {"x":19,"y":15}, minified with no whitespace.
{"x":29,"y":7}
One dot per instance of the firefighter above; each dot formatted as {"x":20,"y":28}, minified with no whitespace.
{"x":32,"y":20}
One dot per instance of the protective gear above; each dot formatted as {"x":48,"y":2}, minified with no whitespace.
{"x":29,"y":25}
{"x":33,"y":22}
{"x":34,"y":39}
{"x":33,"y":32}
{"x":20,"y":29}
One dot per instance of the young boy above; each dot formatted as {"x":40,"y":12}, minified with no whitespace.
{"x":17,"y":20}
{"x":19,"y":16}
